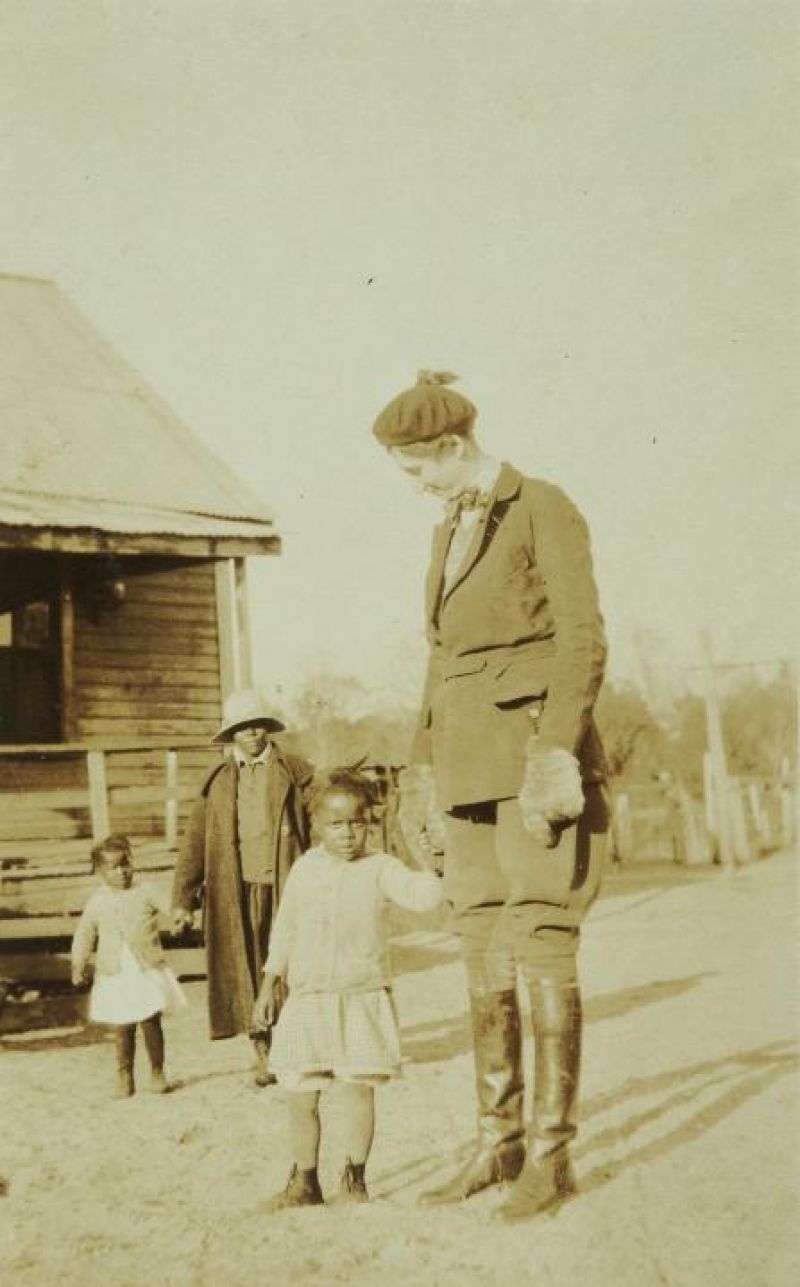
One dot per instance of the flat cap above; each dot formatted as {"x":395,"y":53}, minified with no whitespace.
{"x":425,"y":411}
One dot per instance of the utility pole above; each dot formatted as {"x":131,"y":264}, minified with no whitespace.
{"x":797,"y":754}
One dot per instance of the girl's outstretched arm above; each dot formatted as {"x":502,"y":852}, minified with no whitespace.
{"x":419,"y":891}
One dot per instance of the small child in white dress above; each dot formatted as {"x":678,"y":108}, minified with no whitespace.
{"x":132,"y":982}
{"x":329,"y":944}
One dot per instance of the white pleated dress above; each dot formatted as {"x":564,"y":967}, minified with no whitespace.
{"x":134,"y":993}
{"x":132,"y":981}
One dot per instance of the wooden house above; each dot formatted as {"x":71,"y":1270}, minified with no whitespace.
{"x":123,"y":542}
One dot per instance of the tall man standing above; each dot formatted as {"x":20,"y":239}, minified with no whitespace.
{"x":244,"y":832}
{"x":507,"y":750}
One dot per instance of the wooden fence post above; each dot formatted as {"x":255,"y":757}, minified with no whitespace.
{"x":718,"y":772}
{"x":623,"y":827}
{"x":692,"y":848}
{"x":709,"y":796}
{"x":741,"y":840}
{"x":98,"y":794}
{"x":171,"y":799}
{"x":787,"y":805}
{"x":760,"y":816}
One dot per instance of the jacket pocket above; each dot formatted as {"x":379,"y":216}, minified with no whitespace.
{"x":521,"y":681}
{"x":464,"y":666}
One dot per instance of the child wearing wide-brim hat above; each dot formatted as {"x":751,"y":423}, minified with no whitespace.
{"x":245,"y":831}
{"x":246,"y":708}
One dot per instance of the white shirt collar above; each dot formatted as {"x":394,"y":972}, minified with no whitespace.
{"x":487,"y":473}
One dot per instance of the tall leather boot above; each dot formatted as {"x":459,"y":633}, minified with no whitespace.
{"x":500,"y":1149}
{"x":547,"y":1179}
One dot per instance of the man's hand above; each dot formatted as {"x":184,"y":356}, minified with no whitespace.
{"x":268,"y":1003}
{"x":420,"y":818}
{"x":182,"y":921}
{"x":551,"y":795}
{"x":78,"y":976}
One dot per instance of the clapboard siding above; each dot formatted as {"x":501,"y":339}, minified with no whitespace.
{"x":145,"y":670}
{"x":47,"y":800}
{"x":147,"y":769}
{"x":149,"y":667}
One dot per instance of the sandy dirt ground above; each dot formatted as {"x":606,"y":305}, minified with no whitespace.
{"x":687,"y":1153}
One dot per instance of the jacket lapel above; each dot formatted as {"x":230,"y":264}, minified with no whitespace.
{"x":507,"y":485}
{"x":433,"y":586}
{"x":228,"y":780}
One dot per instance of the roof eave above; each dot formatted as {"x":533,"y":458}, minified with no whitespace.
{"x":91,"y":541}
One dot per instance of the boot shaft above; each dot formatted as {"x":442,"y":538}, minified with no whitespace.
{"x":557,"y":1031}
{"x":497,"y":1049}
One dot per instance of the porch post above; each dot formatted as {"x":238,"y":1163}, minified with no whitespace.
{"x":98,"y":794}
{"x":66,"y":650}
{"x":232,"y":626}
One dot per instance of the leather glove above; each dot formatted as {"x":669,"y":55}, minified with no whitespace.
{"x":551,"y":795}
{"x":420,"y":819}
{"x":182,"y":921}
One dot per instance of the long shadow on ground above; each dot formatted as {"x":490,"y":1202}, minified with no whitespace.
{"x":441,"y":1039}
{"x":732,"y":1079}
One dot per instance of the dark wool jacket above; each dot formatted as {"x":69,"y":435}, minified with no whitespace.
{"x":517,"y":632}
{"x":208,"y":873}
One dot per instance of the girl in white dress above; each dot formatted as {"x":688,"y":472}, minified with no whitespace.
{"x":329,"y":944}
{"x":132,"y":982}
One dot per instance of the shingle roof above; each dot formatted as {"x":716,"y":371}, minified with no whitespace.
{"x":85,"y":442}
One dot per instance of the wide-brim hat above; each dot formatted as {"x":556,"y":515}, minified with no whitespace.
{"x":246,"y":708}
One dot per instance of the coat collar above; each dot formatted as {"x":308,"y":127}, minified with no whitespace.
{"x":230,"y":769}
{"x":506,"y":488}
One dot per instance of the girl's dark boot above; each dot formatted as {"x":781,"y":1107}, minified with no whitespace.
{"x":353,"y":1187}
{"x":499,"y":1152}
{"x":125,"y":1040}
{"x":154,"y":1042}
{"x":302,"y":1190}
{"x":547,"y":1179}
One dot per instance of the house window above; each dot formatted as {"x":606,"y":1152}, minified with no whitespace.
{"x":29,"y":692}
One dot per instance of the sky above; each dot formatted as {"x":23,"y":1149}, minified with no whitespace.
{"x":588,"y":209}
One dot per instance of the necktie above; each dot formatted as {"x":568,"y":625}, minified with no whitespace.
{"x":468,"y":502}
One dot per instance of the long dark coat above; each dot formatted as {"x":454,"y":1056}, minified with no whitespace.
{"x":518,"y":628}
{"x":208,"y":874}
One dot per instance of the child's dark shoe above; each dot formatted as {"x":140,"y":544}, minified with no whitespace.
{"x":263,"y":1077}
{"x":353,"y":1187}
{"x":125,"y":1087}
{"x":302,"y":1190}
